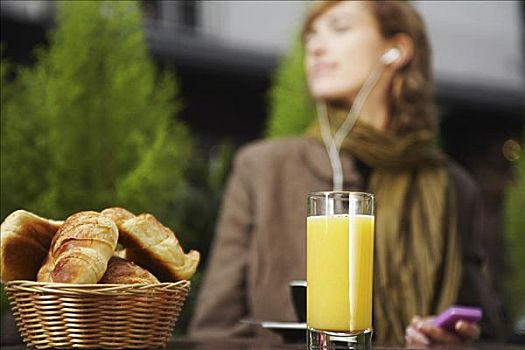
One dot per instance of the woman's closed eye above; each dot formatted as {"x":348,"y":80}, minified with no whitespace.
{"x":339,"y":28}
{"x":340,"y":25}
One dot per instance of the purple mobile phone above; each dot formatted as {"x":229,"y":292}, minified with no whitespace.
{"x":449,"y":317}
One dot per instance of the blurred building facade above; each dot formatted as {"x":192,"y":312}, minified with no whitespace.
{"x":224,"y":53}
{"x":477,"y":47}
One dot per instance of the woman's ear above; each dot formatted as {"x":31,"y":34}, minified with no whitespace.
{"x":405,"y":45}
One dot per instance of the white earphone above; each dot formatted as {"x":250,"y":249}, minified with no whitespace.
{"x":390,"y":56}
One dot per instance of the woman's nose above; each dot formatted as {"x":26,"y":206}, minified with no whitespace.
{"x":316,"y":46}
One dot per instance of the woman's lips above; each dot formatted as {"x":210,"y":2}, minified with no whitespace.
{"x":322,"y":68}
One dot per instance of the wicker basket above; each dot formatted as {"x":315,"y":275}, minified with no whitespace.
{"x":104,"y":316}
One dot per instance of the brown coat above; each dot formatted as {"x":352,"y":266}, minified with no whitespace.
{"x":260,"y":243}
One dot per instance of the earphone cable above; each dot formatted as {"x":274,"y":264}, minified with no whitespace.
{"x":333,"y":144}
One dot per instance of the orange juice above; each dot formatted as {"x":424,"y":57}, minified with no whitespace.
{"x":340,"y":255}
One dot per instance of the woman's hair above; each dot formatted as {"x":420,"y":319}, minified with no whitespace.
{"x":412,"y":90}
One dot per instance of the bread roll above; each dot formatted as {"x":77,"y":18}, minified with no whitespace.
{"x":121,"y":271}
{"x":155,"y":247}
{"x":26,"y":238}
{"x":80,"y":250}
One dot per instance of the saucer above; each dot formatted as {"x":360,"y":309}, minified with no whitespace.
{"x":291,"y":332}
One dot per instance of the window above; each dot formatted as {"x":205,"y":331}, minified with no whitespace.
{"x":172,"y":15}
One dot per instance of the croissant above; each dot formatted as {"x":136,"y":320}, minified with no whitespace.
{"x":155,"y":247}
{"x":121,"y":271}
{"x":118,"y":215}
{"x":80,"y":250}
{"x":26,"y":238}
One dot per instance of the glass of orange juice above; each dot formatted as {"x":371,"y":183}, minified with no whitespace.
{"x":339,"y":269}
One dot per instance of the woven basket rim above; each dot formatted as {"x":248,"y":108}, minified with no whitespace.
{"x":94,"y":289}
{"x":91,"y":286}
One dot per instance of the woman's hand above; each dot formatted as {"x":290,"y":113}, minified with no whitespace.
{"x":422,"y":332}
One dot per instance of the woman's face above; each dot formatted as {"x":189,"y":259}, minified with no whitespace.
{"x":342,"y":46}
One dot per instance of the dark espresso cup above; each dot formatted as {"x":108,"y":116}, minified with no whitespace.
{"x":298,"y":292}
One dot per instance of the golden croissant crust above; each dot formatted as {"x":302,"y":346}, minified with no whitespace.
{"x":25,"y":241}
{"x":121,"y":271}
{"x":80,"y":250}
{"x":156,"y":248}
{"x":119,"y":215}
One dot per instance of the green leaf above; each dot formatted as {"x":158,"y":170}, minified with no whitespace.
{"x":291,"y":107}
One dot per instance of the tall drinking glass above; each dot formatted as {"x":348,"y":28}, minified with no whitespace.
{"x":339,"y":269}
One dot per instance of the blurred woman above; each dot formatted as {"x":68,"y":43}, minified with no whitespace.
{"x":368,"y":69}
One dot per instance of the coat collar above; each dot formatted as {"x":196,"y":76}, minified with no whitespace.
{"x":314,"y":156}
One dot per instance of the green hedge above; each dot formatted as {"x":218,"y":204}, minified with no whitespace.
{"x":291,"y":108}
{"x":92,"y":124}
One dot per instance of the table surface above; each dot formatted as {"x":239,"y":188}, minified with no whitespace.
{"x":239,"y":344}
{"x":251,"y":344}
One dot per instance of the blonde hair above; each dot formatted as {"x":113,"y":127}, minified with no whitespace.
{"x":412,"y":90}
